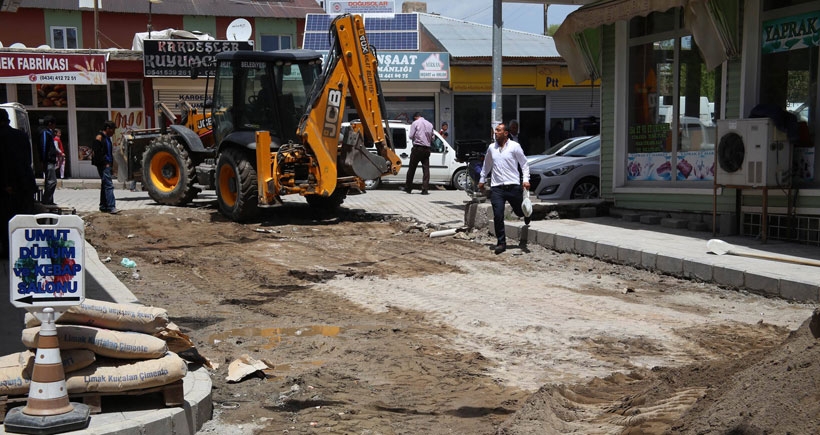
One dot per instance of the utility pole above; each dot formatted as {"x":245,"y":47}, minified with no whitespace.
{"x":96,"y":26}
{"x":497,"y":111}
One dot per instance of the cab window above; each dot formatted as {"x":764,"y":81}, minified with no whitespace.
{"x":437,"y":146}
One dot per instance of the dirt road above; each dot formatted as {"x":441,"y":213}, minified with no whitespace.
{"x":373,"y":327}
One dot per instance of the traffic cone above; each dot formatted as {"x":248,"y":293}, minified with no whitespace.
{"x":48,"y":409}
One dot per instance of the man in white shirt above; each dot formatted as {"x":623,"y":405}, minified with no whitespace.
{"x":502,"y":160}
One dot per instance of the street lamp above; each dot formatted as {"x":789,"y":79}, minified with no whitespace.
{"x":151,"y":27}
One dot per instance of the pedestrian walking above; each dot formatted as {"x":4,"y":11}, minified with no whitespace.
{"x":421,"y":133}
{"x":503,"y":160}
{"x":103,"y":159}
{"x":16,"y":175}
{"x":48,"y":157}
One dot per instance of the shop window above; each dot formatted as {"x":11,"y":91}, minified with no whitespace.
{"x":92,"y":96}
{"x":134,"y":93}
{"x":4,"y":96}
{"x":788,"y":76}
{"x":672,"y":98}
{"x":117,"y":88}
{"x":25,"y":96}
{"x":472,"y":116}
{"x":275,"y":42}
{"x":63,"y":37}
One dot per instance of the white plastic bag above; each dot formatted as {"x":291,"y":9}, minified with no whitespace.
{"x":526,"y":205}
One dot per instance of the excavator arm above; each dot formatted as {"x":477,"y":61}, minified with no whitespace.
{"x":351,"y":68}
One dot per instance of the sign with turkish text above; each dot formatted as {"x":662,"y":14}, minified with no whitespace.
{"x":53,"y":68}
{"x":791,"y":33}
{"x":46,"y":261}
{"x":361,"y":7}
{"x":177,"y":57}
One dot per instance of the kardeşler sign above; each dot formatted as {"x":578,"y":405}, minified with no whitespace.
{"x":177,"y":57}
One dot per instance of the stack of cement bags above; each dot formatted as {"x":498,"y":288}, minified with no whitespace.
{"x":106,"y":348}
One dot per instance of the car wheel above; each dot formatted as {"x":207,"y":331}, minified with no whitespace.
{"x":462,"y":181}
{"x":586,"y":188}
{"x":372,"y":184}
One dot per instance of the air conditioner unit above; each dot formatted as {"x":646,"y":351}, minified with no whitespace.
{"x":752,"y":152}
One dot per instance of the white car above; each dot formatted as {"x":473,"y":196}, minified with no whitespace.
{"x":444,"y":169}
{"x":574,"y":175}
{"x":558,"y":149}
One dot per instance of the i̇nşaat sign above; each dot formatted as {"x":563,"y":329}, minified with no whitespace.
{"x":53,"y":68}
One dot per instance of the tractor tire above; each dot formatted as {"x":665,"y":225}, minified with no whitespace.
{"x":236,"y":189}
{"x":328,"y":203}
{"x":168,"y":172}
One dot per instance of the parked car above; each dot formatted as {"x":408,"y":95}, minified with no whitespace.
{"x":444,"y":169}
{"x":573,"y":175}
{"x":558,"y":149}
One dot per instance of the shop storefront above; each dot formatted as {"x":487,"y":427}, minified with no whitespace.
{"x":678,"y":74}
{"x":540,"y":97}
{"x":81,"y":91}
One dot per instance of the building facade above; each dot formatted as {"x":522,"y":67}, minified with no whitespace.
{"x":710,"y":109}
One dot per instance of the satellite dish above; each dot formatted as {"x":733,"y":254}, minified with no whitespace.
{"x":17,"y":45}
{"x":239,"y":30}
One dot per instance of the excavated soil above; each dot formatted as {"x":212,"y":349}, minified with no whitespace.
{"x":373,"y":327}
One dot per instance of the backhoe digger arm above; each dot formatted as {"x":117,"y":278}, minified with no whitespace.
{"x":351,"y":68}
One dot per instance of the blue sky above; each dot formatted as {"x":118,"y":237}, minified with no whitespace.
{"x":516,"y":16}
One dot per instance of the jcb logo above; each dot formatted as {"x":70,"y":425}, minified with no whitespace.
{"x":363,"y":44}
{"x":334,"y":103}
{"x":204,"y":123}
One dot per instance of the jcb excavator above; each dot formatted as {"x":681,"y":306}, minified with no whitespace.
{"x":276,"y":118}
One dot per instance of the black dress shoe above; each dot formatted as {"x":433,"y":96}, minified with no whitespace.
{"x":499,"y":249}
{"x":527,"y":220}
{"x":424,"y":192}
{"x":406,"y":190}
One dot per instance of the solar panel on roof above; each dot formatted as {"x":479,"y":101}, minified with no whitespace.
{"x":397,"y":33}
{"x":317,"y":22}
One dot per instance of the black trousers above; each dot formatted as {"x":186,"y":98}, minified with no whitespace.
{"x":499,"y":196}
{"x":419,"y":154}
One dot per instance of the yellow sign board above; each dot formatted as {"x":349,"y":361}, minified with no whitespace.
{"x":541,"y":78}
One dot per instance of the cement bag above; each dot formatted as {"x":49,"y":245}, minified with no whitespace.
{"x":103,"y":342}
{"x":15,"y":369}
{"x":115,"y":376}
{"x":73,"y":359}
{"x":108,"y":315}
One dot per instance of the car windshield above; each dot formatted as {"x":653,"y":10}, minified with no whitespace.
{"x":589,"y":148}
{"x":562,"y":147}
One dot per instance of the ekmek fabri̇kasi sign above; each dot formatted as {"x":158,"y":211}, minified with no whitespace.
{"x":53,"y":68}
{"x":176,"y":57}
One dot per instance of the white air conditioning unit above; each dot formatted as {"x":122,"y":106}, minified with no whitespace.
{"x":752,"y":152}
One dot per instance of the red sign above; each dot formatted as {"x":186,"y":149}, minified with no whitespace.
{"x":53,"y":68}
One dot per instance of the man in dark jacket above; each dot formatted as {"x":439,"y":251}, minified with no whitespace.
{"x":103,"y":159}
{"x":16,"y":175}
{"x":48,"y":156}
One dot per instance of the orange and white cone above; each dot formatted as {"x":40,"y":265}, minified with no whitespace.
{"x":47,"y":394}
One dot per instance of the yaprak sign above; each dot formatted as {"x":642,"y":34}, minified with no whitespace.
{"x":53,"y":68}
{"x":176,"y":58}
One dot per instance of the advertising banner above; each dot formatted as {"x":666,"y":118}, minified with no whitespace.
{"x":53,"y":68}
{"x":361,"y":7}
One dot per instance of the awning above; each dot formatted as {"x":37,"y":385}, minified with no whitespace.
{"x":578,"y":37}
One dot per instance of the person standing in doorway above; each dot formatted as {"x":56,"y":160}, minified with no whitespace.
{"x":502,"y":161}
{"x":48,"y":156}
{"x":556,"y":133}
{"x":16,"y":175}
{"x":444,"y":131}
{"x":516,"y":136}
{"x":421,"y":133}
{"x":58,"y":141}
{"x":103,"y":159}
